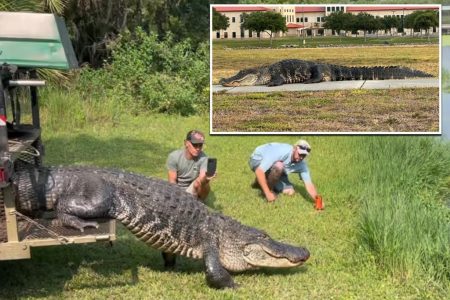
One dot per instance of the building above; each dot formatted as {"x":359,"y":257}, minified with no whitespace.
{"x":304,"y":20}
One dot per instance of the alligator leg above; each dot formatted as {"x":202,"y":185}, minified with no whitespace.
{"x":75,"y":222}
{"x":278,"y":80}
{"x":169,"y":259}
{"x":316,"y":75}
{"x":216,"y":275}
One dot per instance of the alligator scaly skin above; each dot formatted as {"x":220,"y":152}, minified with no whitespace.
{"x":302,"y":71}
{"x":158,"y":213}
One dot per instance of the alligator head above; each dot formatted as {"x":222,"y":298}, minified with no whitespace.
{"x":252,"y":248}
{"x":252,"y":76}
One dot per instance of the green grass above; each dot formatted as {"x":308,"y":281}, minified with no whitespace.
{"x":392,"y":110}
{"x":321,"y":41}
{"x":357,"y":177}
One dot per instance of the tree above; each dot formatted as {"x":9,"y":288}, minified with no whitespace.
{"x":366,"y":22}
{"x":220,"y":21}
{"x":422,"y":20}
{"x":389,"y":22}
{"x":269,"y":22}
{"x":338,"y":21}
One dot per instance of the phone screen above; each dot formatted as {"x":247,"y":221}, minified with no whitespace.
{"x":211,"y":168}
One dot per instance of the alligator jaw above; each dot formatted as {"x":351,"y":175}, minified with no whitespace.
{"x":258,"y":255}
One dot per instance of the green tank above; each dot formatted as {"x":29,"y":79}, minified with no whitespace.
{"x":35,"y":40}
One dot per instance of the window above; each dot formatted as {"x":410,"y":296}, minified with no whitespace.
{"x":257,"y":34}
{"x":241,"y":18}
{"x":298,"y":20}
{"x":250,"y":34}
{"x":306,"y":19}
{"x":218,"y":34}
{"x":318,"y":19}
{"x":328,"y":8}
{"x":234,"y":34}
{"x":225,"y":35}
{"x":233,"y":20}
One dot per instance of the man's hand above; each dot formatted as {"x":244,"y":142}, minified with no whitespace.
{"x":319,"y":202}
{"x":270,"y":196}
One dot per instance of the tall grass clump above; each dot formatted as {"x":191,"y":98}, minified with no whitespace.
{"x":446,"y":80}
{"x":405,"y":220}
{"x":147,"y":74}
{"x":67,"y":109}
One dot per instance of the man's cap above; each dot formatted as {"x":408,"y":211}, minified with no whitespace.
{"x":195,"y":137}
{"x":303,"y":147}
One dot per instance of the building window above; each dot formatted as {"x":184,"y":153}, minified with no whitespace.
{"x":257,"y":34}
{"x":318,"y":19}
{"x":225,"y":35}
{"x":298,"y":20}
{"x":250,"y":34}
{"x":306,"y":19}
{"x":241,"y":18}
{"x":218,"y":34}
{"x":242,"y":34}
{"x":234,"y":34}
{"x":328,"y":8}
{"x":233,"y":20}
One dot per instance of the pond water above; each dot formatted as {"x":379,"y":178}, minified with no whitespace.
{"x":446,"y":116}
{"x":445,"y":113}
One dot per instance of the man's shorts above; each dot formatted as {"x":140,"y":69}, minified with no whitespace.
{"x":190,"y":189}
{"x":281,"y":185}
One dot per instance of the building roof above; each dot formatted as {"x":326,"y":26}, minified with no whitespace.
{"x":306,"y":9}
{"x":240,"y":8}
{"x":389,"y":8}
{"x":292,"y":25}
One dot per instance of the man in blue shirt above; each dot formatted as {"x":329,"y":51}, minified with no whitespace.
{"x":273,"y":162}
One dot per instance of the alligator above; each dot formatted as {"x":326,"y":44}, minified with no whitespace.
{"x":302,"y":71}
{"x":159,"y":213}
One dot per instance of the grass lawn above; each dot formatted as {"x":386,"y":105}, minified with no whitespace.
{"x":338,"y":268}
{"x":399,"y":110}
{"x":394,"y":110}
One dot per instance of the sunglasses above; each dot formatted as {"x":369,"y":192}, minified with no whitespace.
{"x":198,"y":146}
{"x":305,"y":148}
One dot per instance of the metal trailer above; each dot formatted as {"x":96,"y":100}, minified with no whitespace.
{"x":29,"y":41}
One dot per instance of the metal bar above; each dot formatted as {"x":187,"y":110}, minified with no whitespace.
{"x":24,"y":82}
{"x":11,"y":219}
{"x":34,"y":102}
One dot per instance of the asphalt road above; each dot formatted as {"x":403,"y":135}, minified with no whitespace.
{"x":334,"y":85}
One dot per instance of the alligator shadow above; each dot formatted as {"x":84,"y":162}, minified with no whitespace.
{"x":57,"y":268}
{"x":72,"y":267}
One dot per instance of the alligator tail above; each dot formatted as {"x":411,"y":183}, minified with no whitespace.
{"x":381,"y":73}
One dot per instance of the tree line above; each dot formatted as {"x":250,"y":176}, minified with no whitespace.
{"x":272,"y":22}
{"x":347,"y":22}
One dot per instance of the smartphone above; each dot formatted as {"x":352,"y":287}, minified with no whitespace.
{"x":211,"y":168}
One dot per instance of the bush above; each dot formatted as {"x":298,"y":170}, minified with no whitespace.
{"x":147,"y":74}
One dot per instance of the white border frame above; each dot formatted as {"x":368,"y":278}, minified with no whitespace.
{"x":432,"y":133}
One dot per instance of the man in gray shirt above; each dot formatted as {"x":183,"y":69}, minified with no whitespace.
{"x":187,"y":166}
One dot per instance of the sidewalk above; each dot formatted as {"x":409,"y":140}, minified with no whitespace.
{"x":333,"y":85}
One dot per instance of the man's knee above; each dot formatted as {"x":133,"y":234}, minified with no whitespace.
{"x":289,"y":191}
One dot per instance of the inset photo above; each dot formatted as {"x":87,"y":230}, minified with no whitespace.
{"x":325,"y":69}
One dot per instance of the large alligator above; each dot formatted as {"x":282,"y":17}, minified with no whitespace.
{"x":159,"y":213}
{"x":302,"y":71}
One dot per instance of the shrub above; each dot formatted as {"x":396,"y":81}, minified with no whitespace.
{"x":147,"y":74}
